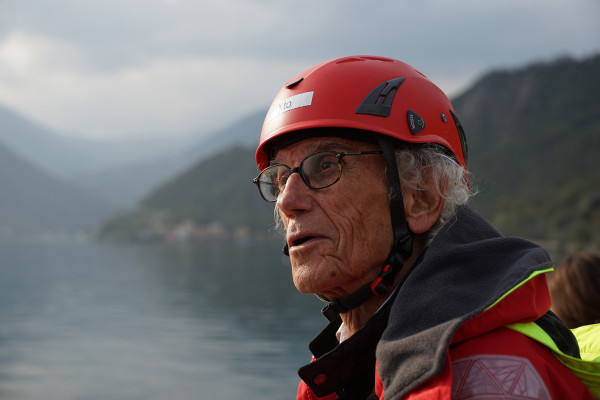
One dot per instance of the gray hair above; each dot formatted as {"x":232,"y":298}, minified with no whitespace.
{"x":419,"y":163}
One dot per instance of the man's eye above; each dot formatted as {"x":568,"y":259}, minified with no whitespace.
{"x":281,"y":178}
{"x":327,"y":164}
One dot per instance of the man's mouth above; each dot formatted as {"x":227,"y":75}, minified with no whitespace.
{"x":299,"y":241}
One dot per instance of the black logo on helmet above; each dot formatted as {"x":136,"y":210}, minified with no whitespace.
{"x":415,"y":123}
{"x":379,"y":101}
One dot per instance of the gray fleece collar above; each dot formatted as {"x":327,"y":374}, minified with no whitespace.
{"x":467,"y":267}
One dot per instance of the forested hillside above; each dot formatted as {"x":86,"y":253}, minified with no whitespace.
{"x":214,"y":199}
{"x":534,"y":141}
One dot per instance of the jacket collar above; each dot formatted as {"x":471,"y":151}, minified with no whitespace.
{"x":468,"y":267}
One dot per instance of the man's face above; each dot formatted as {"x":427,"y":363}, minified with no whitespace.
{"x":339,"y":237}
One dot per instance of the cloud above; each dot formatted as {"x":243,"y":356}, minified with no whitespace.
{"x":162,"y":96}
{"x":106,"y":68}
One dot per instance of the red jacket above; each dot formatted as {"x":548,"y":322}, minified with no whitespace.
{"x":443,"y":335}
{"x":492,"y":361}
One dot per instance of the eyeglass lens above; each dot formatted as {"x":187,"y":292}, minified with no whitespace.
{"x":317,"y":170}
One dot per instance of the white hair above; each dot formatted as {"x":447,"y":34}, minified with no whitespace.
{"x":422,"y":165}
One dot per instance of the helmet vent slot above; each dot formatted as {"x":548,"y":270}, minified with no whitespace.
{"x":379,"y":101}
{"x":292,"y":84}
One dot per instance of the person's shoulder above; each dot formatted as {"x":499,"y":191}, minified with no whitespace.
{"x":501,"y":341}
{"x":527,"y":363}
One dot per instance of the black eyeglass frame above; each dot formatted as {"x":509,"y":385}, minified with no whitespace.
{"x":339,"y":155}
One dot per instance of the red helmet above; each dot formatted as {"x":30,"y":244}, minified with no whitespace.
{"x":368,"y":93}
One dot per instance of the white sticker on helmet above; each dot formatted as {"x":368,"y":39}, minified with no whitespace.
{"x":297,"y":101}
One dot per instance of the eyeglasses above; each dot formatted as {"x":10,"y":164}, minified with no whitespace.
{"x":318,"y":171}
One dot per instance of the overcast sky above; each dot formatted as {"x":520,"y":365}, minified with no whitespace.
{"x":116,"y":68}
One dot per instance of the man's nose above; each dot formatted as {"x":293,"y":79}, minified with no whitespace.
{"x":294,"y":196}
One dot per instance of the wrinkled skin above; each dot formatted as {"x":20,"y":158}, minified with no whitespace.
{"x":347,"y":225}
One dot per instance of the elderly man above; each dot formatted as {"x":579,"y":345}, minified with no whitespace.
{"x":365,"y":161}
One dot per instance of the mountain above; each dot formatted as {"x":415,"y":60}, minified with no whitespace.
{"x":534,"y":140}
{"x":122,"y":171}
{"x":126,"y":185}
{"x":33,"y":202}
{"x":70,"y":157}
{"x":214,"y":198}
{"x":534,"y":148}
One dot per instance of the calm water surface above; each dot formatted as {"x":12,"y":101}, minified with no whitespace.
{"x":90,"y":321}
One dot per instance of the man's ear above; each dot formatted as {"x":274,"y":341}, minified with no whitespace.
{"x":423,"y":207}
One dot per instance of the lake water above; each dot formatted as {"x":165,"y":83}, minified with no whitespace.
{"x":100,"y":322}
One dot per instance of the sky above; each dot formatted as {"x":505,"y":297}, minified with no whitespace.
{"x":111,"y":69}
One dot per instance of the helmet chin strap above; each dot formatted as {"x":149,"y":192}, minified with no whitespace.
{"x":401,"y":249}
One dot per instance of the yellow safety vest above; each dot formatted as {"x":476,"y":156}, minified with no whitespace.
{"x":586,"y":369}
